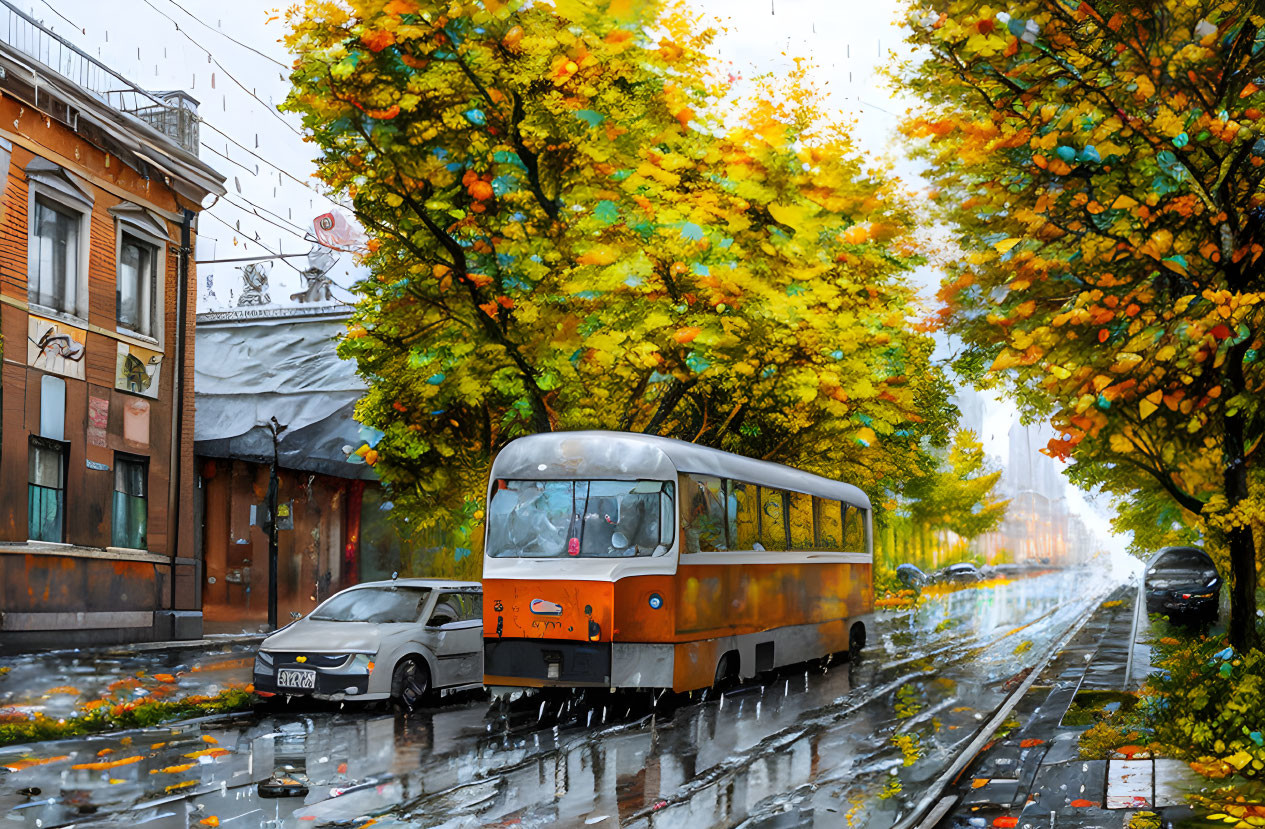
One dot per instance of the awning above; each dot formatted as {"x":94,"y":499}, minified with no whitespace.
{"x":248,"y":372}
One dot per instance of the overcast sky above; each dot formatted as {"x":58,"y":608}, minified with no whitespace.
{"x":225,"y":53}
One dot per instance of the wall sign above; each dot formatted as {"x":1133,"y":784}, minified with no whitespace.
{"x":136,"y":370}
{"x":55,"y":347}
{"x":100,"y":467}
{"x":136,"y":422}
{"x":98,"y":420}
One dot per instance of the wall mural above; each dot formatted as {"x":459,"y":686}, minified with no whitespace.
{"x":55,"y":347}
{"x":137,"y":370}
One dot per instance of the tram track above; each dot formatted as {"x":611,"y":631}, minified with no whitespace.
{"x":465,"y":799}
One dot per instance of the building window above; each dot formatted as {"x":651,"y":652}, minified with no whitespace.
{"x":137,"y":285}
{"x":131,"y":506}
{"x":46,"y":490}
{"x":55,"y":258}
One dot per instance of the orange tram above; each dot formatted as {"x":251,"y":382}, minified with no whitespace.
{"x":619,"y":560}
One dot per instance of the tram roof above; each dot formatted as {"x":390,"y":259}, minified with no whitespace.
{"x":631,"y":455}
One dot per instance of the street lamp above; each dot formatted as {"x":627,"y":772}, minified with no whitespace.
{"x":276,"y":429}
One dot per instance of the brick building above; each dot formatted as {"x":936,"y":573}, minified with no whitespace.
{"x":97,"y":221}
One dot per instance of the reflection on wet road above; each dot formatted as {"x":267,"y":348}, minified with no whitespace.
{"x":805,"y":748}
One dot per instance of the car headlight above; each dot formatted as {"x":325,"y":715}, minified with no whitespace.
{"x":263,"y":663}
{"x":362,"y":662}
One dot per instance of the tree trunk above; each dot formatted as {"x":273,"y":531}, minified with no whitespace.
{"x":1242,"y":544}
{"x":1242,"y":589}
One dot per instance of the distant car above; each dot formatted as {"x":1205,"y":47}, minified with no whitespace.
{"x":380,"y":640}
{"x":1007,"y":569}
{"x":961,"y":572}
{"x":1183,"y":582}
{"x":911,"y":576}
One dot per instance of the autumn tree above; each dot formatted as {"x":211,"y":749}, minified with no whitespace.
{"x":1102,"y":161}
{"x":957,"y":495}
{"x":566,"y":235}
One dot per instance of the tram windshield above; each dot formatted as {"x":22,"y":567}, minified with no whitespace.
{"x":597,"y":519}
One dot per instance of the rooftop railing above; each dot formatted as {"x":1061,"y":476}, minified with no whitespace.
{"x":175,"y":114}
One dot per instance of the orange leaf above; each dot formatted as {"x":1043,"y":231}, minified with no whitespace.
{"x":377,"y":40}
{"x":687,"y":334}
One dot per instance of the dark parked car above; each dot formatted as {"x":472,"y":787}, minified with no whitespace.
{"x":1182,"y":582}
{"x":961,"y":572}
{"x":911,"y":576}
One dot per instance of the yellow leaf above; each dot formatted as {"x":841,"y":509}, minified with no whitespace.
{"x":791,"y":215}
{"x":1146,"y":408}
{"x":1006,"y":244}
{"x":1120,"y":444}
{"x":1123,"y":203}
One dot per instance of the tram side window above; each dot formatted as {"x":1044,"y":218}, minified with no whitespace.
{"x":854,"y":530}
{"x":772,"y":519}
{"x":801,"y":519}
{"x":704,"y":517}
{"x":829,"y":524}
{"x":743,"y":510}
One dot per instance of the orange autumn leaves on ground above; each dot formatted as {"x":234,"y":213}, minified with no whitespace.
{"x":571,"y":232}
{"x":1104,"y":165}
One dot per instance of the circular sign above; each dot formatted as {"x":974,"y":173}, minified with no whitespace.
{"x":656,"y":601}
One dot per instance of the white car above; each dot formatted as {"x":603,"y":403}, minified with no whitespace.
{"x":396,"y":639}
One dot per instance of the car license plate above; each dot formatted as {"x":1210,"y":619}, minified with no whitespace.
{"x":294,"y":678}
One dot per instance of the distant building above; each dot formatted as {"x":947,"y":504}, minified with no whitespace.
{"x":101,"y":192}
{"x":1039,"y":527}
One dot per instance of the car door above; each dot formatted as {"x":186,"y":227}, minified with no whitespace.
{"x":455,"y":628}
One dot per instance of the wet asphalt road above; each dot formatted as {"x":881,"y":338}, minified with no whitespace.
{"x":848,"y":745}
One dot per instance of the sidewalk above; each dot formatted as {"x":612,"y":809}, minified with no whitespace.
{"x":59,"y":683}
{"x":1035,"y":777}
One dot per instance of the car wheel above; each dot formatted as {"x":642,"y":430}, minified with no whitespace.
{"x":410,"y":683}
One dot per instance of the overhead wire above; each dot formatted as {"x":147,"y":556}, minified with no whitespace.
{"x":64,"y":17}
{"x":275,"y":253}
{"x":230,"y":75}
{"x":288,"y":226}
{"x":224,"y":34}
{"x":202,"y":119}
{"x":253,"y":209}
{"x":271,"y":164}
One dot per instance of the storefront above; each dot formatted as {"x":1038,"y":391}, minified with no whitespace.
{"x":269,"y":384}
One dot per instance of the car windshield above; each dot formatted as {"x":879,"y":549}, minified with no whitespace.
{"x":1184,"y":560}
{"x":384,"y":605}
{"x":602,"y":519}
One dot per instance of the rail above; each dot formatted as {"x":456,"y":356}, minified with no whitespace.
{"x":174,"y":113}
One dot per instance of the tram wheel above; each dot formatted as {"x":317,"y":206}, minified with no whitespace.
{"x":726,"y":672}
{"x":856,"y":642}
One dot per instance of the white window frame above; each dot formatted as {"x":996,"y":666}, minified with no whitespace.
{"x":124,"y":227}
{"x":83,"y":210}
